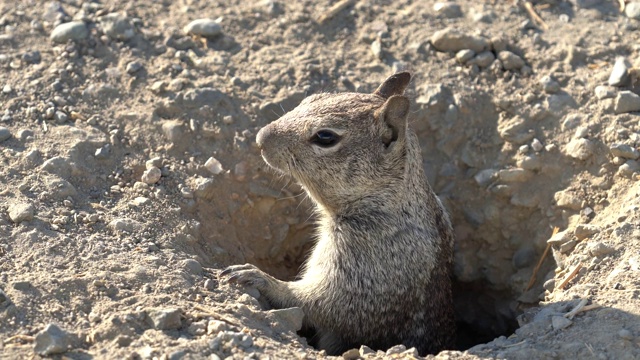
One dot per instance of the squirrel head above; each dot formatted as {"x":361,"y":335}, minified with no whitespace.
{"x":343,"y":147}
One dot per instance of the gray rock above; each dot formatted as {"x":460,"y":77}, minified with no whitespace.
{"x":568,"y":200}
{"x":629,"y":168}
{"x":549,"y":85}
{"x":31,"y":57}
{"x":151,"y":176}
{"x":22,"y":285}
{"x":192,"y":266}
{"x":580,"y":149}
{"x":54,"y":11}
{"x":290,"y":318}
{"x":397,"y":349}
{"x":510,"y":61}
{"x":60,"y":117}
{"x":352,"y":354}
{"x":58,"y":165}
{"x":619,"y":75}
{"x":536,"y":145}
{"x":133,"y":67}
{"x":117,"y":26}
{"x":60,"y":189}
{"x":499,"y":43}
{"x":624,"y":151}
{"x":75,"y":30}
{"x":563,"y":236}
{"x":485,"y":177}
{"x":450,"y":40}
{"x":560,"y":322}
{"x":51,"y":340}
{"x":124,"y":225}
{"x":598,"y":249}
{"x":203,"y":27}
{"x":173,"y":130}
{"x":626,"y":102}
{"x":19,"y":212}
{"x":365,"y":350}
{"x":447,"y":9}
{"x":514,"y":175}
{"x":4,"y":133}
{"x":165,"y":319}
{"x":376,"y":49}
{"x":605,"y":92}
{"x":464,"y":55}
{"x":583,"y":231}
{"x":632,"y":10}
{"x":624,"y":333}
{"x":483,"y":60}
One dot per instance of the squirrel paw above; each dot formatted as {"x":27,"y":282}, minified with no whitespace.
{"x":245,"y":275}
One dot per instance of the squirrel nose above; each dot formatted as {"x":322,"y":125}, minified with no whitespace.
{"x":262,"y":135}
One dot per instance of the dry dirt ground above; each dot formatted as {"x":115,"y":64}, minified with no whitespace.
{"x":129,"y":173}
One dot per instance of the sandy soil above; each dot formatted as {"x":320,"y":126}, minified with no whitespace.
{"x":129,"y":173}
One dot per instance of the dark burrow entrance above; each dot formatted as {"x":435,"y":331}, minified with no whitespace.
{"x":482,"y":312}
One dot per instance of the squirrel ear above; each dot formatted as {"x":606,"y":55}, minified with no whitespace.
{"x":394,"y":85}
{"x":394,"y":114}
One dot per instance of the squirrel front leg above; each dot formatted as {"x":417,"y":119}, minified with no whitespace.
{"x":280,"y":294}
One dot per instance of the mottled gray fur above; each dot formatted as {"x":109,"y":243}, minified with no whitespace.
{"x":379,"y":274}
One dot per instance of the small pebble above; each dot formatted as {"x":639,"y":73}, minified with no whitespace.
{"x":7,"y":89}
{"x":514,"y":175}
{"x":629,"y":168}
{"x":117,"y":26}
{"x":624,"y":151}
{"x":632,"y":10}
{"x":214,"y":166}
{"x":210,"y":284}
{"x":60,"y":117}
{"x":397,"y":349}
{"x":289,"y":318}
{"x":352,"y":354}
{"x":583,"y":231}
{"x":51,"y":340}
{"x":604,"y":92}
{"x":560,"y":322}
{"x":625,"y":334}
{"x":580,"y":149}
{"x":536,"y":145}
{"x":568,"y":200}
{"x":75,"y":30}
{"x":376,"y":48}
{"x":4,"y":133}
{"x":19,"y":212}
{"x":203,"y":27}
{"x":549,"y":85}
{"x":483,"y":59}
{"x":620,"y":73}
{"x":165,"y":319}
{"x":447,"y":9}
{"x":626,"y":102}
{"x":133,"y":67}
{"x":464,"y":55}
{"x":451,"y":40}
{"x":598,"y":249}
{"x":510,"y":61}
{"x":151,"y":176}
{"x":192,"y":266}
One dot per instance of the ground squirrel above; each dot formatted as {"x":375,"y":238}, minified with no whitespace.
{"x":379,"y":274}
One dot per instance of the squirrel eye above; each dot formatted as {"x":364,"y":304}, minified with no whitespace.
{"x":325,"y":138}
